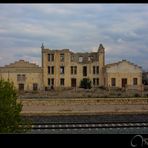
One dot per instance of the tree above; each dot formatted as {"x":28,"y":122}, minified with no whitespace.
{"x":85,"y":83}
{"x":10,"y":119}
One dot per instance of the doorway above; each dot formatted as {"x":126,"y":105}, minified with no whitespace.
{"x":21,"y":87}
{"x":73,"y":82}
{"x":124,"y":82}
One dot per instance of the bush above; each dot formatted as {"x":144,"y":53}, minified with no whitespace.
{"x":102,"y":87}
{"x":85,"y":83}
{"x":10,"y":118}
{"x":136,"y":95}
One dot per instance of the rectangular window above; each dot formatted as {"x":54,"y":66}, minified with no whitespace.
{"x":74,"y":70}
{"x":113,"y":81}
{"x":21,"y":77}
{"x":50,"y":57}
{"x":62,"y":57}
{"x":73,"y":82}
{"x":18,"y":77}
{"x":52,"y":81}
{"x":97,"y":69}
{"x":135,"y":81}
{"x":21,"y":87}
{"x":72,"y":58}
{"x":48,"y":69}
{"x":52,"y":70}
{"x":94,"y":71}
{"x":62,"y":82}
{"x":48,"y":82}
{"x":71,"y":69}
{"x":94,"y":80}
{"x":97,"y":81}
{"x":84,"y":70}
{"x":61,"y":69}
{"x":35,"y":86}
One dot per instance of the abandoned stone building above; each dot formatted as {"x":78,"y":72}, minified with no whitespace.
{"x":64,"y":68}
{"x":24,"y":75}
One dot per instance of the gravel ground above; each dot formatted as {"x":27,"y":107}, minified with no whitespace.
{"x":140,"y":130}
{"x":89,"y":119}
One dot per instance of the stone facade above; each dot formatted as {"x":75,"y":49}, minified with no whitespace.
{"x":123,"y":74}
{"x":25,"y":76}
{"x":64,"y":68}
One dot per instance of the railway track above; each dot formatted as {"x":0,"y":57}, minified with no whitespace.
{"x":86,"y":125}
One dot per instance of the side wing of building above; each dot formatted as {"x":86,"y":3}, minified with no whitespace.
{"x":25,"y":76}
{"x":123,"y":74}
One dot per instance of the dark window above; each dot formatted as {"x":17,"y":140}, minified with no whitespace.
{"x":21,"y":87}
{"x":73,"y":82}
{"x":71,"y":69}
{"x":61,"y":69}
{"x":135,"y":80}
{"x":97,"y":69}
{"x":62,"y":57}
{"x":94,"y":71}
{"x":94,"y":80}
{"x":52,"y":81}
{"x":84,"y":71}
{"x":48,"y":81}
{"x":97,"y":81}
{"x":113,"y":81}
{"x":52,"y":70}
{"x":124,"y":82}
{"x":74,"y":70}
{"x":48,"y":69}
{"x":50,"y":57}
{"x":18,"y":77}
{"x":21,"y":77}
{"x":62,"y":82}
{"x":35,"y":86}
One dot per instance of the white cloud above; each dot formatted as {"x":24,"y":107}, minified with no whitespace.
{"x":122,"y":29}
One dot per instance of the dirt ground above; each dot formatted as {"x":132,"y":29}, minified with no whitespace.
{"x":85,"y":93}
{"x":83,"y":106}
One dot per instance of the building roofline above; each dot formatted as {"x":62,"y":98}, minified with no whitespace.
{"x":116,"y":63}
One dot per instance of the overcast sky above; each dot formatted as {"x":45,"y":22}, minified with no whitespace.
{"x":121,"y":28}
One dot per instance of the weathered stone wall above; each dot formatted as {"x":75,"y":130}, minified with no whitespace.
{"x":123,"y":70}
{"x":67,"y":63}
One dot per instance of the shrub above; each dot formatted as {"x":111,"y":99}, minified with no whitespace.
{"x":136,"y":95}
{"x":85,"y":83}
{"x":10,"y":118}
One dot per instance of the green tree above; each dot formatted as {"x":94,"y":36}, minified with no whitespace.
{"x":10,"y":119}
{"x":85,"y":83}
